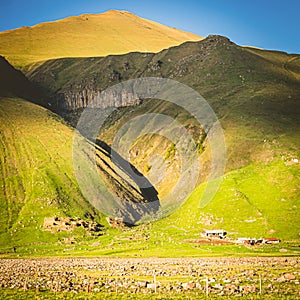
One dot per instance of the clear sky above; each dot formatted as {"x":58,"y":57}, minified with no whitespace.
{"x":269,"y":24}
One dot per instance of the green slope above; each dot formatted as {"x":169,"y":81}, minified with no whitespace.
{"x":260,"y":192}
{"x":37,"y":181}
{"x":37,"y":178}
{"x":227,"y":75}
{"x":246,"y":87}
{"x":260,"y":200}
{"x":113,"y":32}
{"x":37,"y":171}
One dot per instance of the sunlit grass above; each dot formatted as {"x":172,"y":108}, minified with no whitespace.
{"x":88,"y":35}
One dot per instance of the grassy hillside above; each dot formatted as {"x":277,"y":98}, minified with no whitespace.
{"x":224,"y":73}
{"x":261,"y":199}
{"x":259,"y":195}
{"x":36,"y":175}
{"x":113,"y":32}
{"x":255,"y":94}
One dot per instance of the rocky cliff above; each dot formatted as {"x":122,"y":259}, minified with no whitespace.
{"x":70,"y":100}
{"x":215,"y":67}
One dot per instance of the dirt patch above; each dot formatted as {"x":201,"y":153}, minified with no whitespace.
{"x":211,"y":241}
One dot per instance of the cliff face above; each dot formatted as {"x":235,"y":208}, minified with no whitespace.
{"x":70,"y":100}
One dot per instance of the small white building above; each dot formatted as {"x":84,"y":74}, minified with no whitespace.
{"x":216,"y":233}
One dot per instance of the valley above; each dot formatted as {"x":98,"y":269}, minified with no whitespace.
{"x":141,"y":161}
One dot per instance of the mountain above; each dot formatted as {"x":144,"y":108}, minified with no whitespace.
{"x":255,"y":94}
{"x":112,"y":32}
{"x":241,"y":84}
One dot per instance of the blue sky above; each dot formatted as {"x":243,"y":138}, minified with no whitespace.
{"x":270,"y":24}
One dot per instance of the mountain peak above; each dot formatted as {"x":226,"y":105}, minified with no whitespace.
{"x":214,"y":38}
{"x":111,"y":12}
{"x":87,"y":35}
{"x":117,"y":12}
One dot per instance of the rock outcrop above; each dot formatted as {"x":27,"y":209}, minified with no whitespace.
{"x":70,"y":100}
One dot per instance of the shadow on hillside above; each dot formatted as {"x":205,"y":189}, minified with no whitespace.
{"x":133,"y":209}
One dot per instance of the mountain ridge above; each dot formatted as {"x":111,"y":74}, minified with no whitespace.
{"x":198,"y":64}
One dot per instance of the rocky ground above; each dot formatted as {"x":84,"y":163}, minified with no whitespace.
{"x":220,"y":276}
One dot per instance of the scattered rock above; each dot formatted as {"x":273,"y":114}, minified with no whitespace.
{"x":218,"y":286}
{"x":116,"y":223}
{"x":281,"y":279}
{"x":231,"y":287}
{"x":188,"y":285}
{"x":283,"y":250}
{"x":150,"y":286}
{"x":246,"y":289}
{"x":289,"y":276}
{"x":232,"y":276}
{"x":96,"y":244}
{"x":55,"y":224}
